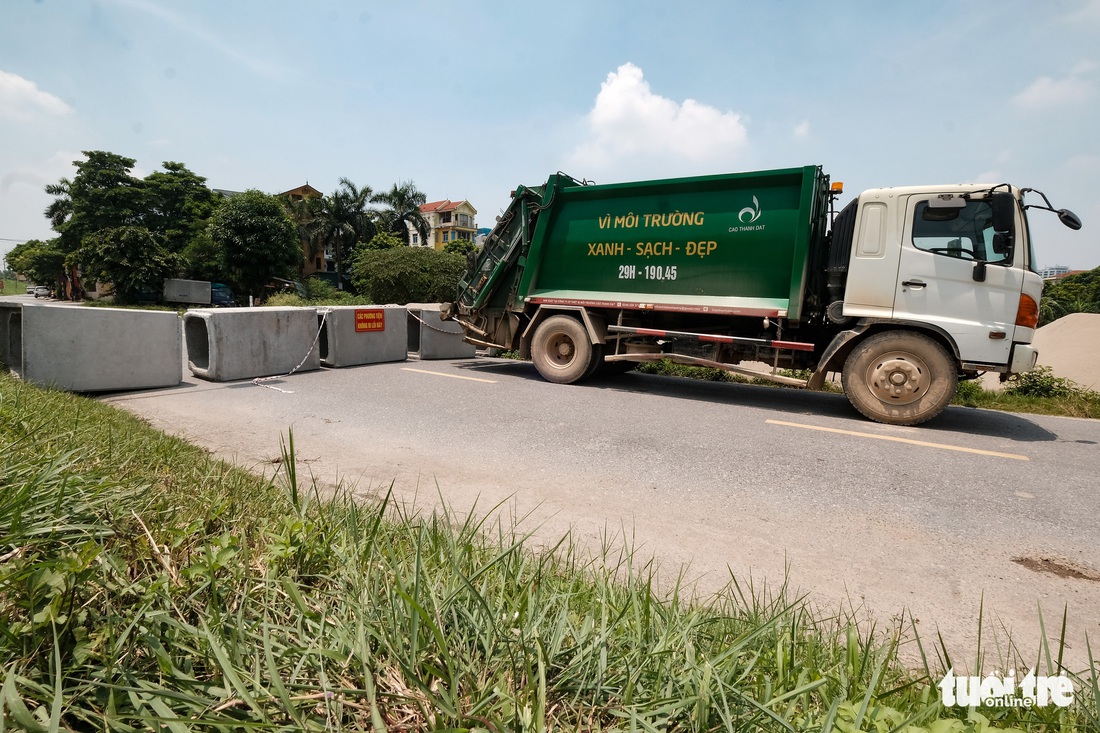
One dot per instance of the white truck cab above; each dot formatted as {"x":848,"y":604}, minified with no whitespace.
{"x":933,"y":255}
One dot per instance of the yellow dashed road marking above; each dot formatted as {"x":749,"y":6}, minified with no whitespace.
{"x":925,"y":444}
{"x":452,"y":376}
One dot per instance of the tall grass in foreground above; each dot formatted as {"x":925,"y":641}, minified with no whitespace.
{"x":145,"y":585}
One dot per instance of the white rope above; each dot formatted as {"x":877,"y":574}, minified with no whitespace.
{"x":259,"y":381}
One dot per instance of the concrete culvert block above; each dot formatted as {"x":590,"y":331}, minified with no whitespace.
{"x":11,"y":326}
{"x":362,"y":334}
{"x":224,"y":344}
{"x":433,"y":338}
{"x":82,"y":349}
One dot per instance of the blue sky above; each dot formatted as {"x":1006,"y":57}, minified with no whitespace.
{"x":469,"y":99}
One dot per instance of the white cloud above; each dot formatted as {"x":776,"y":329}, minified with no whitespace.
{"x":802,"y":130}
{"x":21,"y":99}
{"x":1049,"y":92}
{"x":629,"y":120}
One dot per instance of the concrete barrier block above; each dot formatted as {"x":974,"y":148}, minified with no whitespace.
{"x":432,"y":338}
{"x":224,"y":344}
{"x":11,"y":339}
{"x":362,"y":334}
{"x":83,"y":349}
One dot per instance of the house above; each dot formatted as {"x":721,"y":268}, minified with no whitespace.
{"x":448,"y":221}
{"x":312,"y":261}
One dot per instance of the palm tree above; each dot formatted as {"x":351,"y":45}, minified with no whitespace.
{"x":61,"y":208}
{"x":342,"y":220}
{"x":402,"y":211}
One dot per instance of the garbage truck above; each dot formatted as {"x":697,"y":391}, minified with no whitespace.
{"x":903,"y":292}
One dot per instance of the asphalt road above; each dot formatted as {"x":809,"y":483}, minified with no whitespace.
{"x":977,"y":514}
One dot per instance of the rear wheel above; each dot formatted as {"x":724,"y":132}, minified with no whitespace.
{"x":561,"y":350}
{"x":900,"y":378}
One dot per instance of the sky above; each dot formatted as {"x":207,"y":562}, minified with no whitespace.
{"x":468,"y":100}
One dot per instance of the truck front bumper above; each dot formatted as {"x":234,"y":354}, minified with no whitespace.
{"x":1024,"y":357}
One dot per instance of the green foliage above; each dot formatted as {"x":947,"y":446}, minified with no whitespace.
{"x":203,"y":259}
{"x":408,"y":275}
{"x":383,"y":241}
{"x":969,"y":393}
{"x":340,"y":221}
{"x":322,"y":292}
{"x":669,"y":368}
{"x":1071,"y":294}
{"x":1041,"y":382}
{"x":460,"y":247}
{"x":40,"y":262}
{"x":258,"y":239}
{"x":177,"y":205}
{"x":131,"y":258}
{"x":402,"y":213}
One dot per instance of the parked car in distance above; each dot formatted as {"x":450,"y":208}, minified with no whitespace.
{"x":41,"y":291}
{"x":30,"y":289}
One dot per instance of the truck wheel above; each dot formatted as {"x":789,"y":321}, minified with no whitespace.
{"x":561,"y":350}
{"x":900,"y":378}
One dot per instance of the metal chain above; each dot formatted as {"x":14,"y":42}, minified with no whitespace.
{"x":259,"y":381}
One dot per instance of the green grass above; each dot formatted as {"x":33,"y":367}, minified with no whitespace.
{"x":13,"y":287}
{"x":145,"y":584}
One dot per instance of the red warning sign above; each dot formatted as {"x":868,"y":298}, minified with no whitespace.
{"x":370,"y":320}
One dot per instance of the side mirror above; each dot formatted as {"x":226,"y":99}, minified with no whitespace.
{"x":1002,"y":243}
{"x":1070,"y":219}
{"x":1004,"y":211}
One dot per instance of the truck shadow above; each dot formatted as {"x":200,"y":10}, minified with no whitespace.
{"x":833,"y":405}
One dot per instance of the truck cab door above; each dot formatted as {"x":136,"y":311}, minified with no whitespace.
{"x":944,"y":238}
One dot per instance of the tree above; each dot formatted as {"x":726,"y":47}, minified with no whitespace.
{"x":177,"y":205}
{"x":460,"y":247}
{"x":204,"y":260}
{"x":403,"y":202}
{"x":383,"y":240}
{"x":1078,"y":293}
{"x":343,"y":219}
{"x":131,"y":258}
{"x":40,"y":262}
{"x":408,"y":275}
{"x":258,"y":240}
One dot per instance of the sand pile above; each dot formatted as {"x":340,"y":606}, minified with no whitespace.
{"x":1070,"y":346}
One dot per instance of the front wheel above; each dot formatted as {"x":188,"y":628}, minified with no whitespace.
{"x":562,"y":351}
{"x":900,"y":378}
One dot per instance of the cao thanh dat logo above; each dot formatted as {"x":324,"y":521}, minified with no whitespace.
{"x":749,"y":214}
{"x":1006,"y":692}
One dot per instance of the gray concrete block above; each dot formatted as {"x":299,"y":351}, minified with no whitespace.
{"x":242,"y":343}
{"x":11,"y":328}
{"x":83,"y":349}
{"x":362,"y":334}
{"x":432,"y":338}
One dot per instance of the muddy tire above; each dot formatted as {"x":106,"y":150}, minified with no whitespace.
{"x":561,"y":350}
{"x":900,"y":378}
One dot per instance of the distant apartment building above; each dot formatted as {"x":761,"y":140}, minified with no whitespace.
{"x":312,"y":261}
{"x":448,"y":221}
{"x":1053,"y":273}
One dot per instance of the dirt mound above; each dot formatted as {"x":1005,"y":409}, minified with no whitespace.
{"x":1070,"y":346}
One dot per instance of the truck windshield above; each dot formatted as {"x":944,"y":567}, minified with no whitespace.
{"x":965,"y":232}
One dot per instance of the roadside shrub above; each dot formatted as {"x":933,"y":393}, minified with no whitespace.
{"x":408,"y":275}
{"x":286,"y":299}
{"x":970,"y":393}
{"x":1041,"y":382}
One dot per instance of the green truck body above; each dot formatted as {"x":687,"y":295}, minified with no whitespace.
{"x":735,"y":244}
{"x":905,"y":291}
